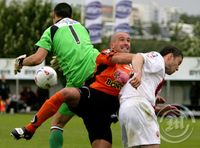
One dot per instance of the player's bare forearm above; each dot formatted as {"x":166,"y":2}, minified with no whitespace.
{"x":122,"y":58}
{"x":167,"y":109}
{"x":36,"y":58}
{"x":137,"y":63}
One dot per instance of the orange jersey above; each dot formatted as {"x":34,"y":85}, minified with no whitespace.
{"x":113,"y":76}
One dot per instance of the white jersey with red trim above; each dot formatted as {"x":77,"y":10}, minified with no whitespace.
{"x":153,"y":73}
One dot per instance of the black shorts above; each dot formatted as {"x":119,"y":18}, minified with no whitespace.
{"x":96,"y":109}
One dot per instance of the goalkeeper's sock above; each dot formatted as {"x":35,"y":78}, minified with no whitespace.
{"x":48,"y":109}
{"x":56,"y":138}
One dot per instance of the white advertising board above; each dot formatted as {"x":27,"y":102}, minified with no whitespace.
{"x":188,"y":70}
{"x":7,"y":69}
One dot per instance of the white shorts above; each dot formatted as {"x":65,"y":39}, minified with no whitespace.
{"x":138,"y":123}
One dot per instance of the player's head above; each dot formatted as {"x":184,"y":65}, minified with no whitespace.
{"x":173,"y":57}
{"x":62,"y":10}
{"x":120,"y":42}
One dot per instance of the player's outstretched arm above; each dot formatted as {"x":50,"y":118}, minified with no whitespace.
{"x":122,"y":58}
{"x":36,"y":58}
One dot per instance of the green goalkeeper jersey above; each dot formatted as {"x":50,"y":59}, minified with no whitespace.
{"x":72,"y":46}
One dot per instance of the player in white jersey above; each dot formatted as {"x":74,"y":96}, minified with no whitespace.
{"x":137,"y":98}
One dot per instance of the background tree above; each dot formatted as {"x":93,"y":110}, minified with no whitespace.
{"x":175,"y":30}
{"x":77,"y":12}
{"x":189,"y":19}
{"x":191,"y":45}
{"x":155,"y":30}
{"x":20,"y":31}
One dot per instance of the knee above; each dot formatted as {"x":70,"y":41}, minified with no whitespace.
{"x":99,"y":143}
{"x":69,"y":92}
{"x":71,"y":95}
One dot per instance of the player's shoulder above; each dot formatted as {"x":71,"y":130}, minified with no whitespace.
{"x":152,"y":54}
{"x":66,"y":22}
{"x":108,"y":52}
{"x":153,"y":57}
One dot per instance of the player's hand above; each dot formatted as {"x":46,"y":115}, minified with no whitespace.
{"x":54,"y":63}
{"x":18,"y":63}
{"x":136,"y":80}
{"x":167,"y":110}
{"x":160,"y":100}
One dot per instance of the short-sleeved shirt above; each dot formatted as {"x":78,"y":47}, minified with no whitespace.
{"x":113,"y":76}
{"x":72,"y":46}
{"x":153,"y":74}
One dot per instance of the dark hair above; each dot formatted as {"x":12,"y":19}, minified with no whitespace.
{"x":171,"y":49}
{"x":63,"y":10}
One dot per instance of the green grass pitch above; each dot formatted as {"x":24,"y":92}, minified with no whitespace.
{"x":75,"y":135}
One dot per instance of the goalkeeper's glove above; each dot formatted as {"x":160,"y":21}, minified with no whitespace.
{"x":54,"y":64}
{"x":18,"y":63}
